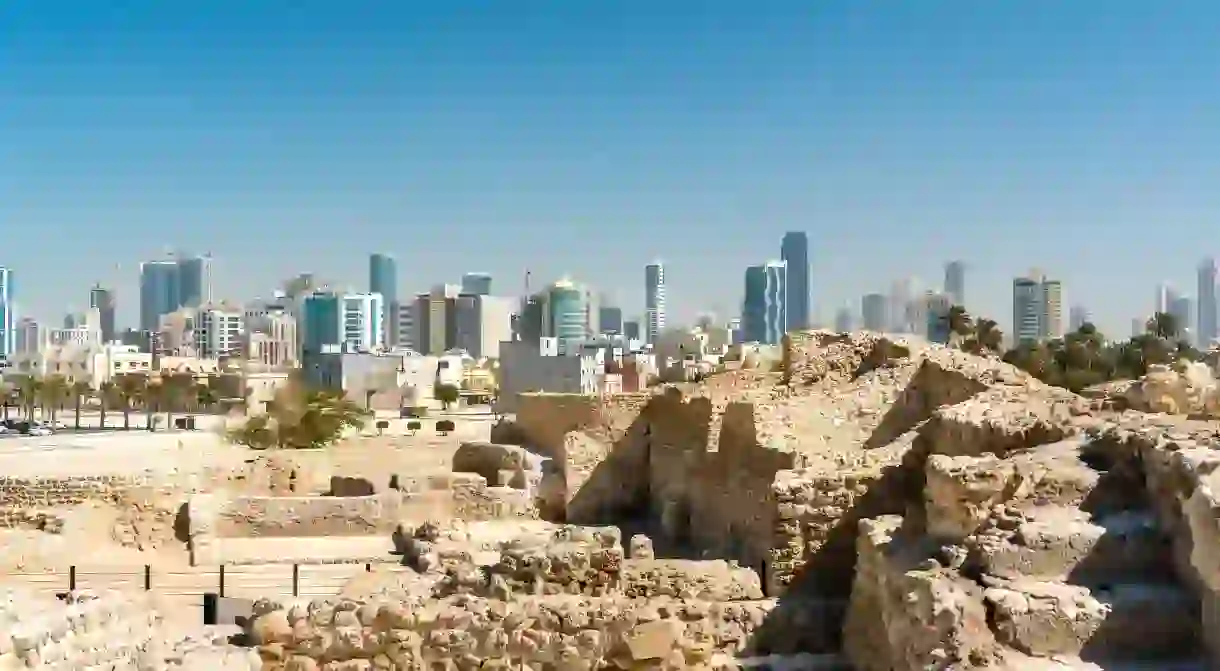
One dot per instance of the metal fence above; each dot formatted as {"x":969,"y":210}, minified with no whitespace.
{"x":219,"y":581}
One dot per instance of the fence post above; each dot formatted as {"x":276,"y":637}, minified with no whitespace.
{"x":222,"y":580}
{"x":296,"y":580}
{"x":72,"y":578}
{"x":147,"y":578}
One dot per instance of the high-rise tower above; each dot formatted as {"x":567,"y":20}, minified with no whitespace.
{"x":1037,"y":308}
{"x":383,"y":279}
{"x":8,"y":320}
{"x":955,"y":282}
{"x":102,"y":300}
{"x":763,"y":311}
{"x":654,"y":300}
{"x":794,"y":252}
{"x":1205,"y":328}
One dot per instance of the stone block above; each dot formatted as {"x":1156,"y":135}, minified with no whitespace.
{"x":1060,"y":543}
{"x":909,"y":612}
{"x":1121,"y":622}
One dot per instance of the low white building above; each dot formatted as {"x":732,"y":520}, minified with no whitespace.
{"x":112,"y":360}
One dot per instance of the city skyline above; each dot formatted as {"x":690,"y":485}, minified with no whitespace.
{"x":280,"y":145}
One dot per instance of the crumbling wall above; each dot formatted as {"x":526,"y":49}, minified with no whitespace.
{"x":112,"y":630}
{"x":597,"y":444}
{"x":569,"y":599}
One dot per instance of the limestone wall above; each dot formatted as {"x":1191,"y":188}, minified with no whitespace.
{"x":45,"y":493}
{"x":107,"y":630}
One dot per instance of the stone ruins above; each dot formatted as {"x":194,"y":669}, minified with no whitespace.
{"x":870,"y":504}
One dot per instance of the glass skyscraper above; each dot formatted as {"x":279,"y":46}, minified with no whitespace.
{"x":764,"y":310}
{"x":654,"y":300}
{"x":794,"y":251}
{"x":476,"y":284}
{"x":383,"y":279}
{"x":566,"y":314}
{"x":170,"y":284}
{"x":8,"y":320}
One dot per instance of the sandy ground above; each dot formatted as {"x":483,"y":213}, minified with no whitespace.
{"x":191,"y":459}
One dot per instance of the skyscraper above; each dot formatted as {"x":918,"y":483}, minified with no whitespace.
{"x":654,"y":300}
{"x":764,"y":309}
{"x":955,"y":282}
{"x":194,"y":281}
{"x":169,"y":284}
{"x":8,"y":320}
{"x":1205,"y":329}
{"x":383,"y":279}
{"x":936,"y":317}
{"x":102,"y":300}
{"x":1078,"y":316}
{"x":1037,"y":308}
{"x":566,"y":313}
{"x":794,"y":251}
{"x":1182,"y":308}
{"x":874,"y":311}
{"x":476,"y":284}
{"x":341,"y":322}
{"x":158,"y":292}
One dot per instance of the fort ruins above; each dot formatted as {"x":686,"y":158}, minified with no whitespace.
{"x":870,"y":504}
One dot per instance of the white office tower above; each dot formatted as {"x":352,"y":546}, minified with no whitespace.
{"x":654,"y":300}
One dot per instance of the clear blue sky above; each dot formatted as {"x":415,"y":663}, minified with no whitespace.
{"x":589,"y":137}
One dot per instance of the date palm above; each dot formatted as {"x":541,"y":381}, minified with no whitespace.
{"x":29,"y":391}
{"x":8,"y":397}
{"x":106,"y":395}
{"x":80,"y":391}
{"x":53,"y":393}
{"x":131,"y":388}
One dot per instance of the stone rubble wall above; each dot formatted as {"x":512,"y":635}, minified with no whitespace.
{"x":107,"y":630}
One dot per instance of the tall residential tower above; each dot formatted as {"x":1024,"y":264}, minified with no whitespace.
{"x":8,"y":320}
{"x":764,"y":309}
{"x":1205,"y":327}
{"x":383,"y":279}
{"x":794,"y":252}
{"x":955,"y":282}
{"x":654,"y":300}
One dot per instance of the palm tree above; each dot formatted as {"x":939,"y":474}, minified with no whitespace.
{"x":29,"y":391}
{"x":1163,"y":325}
{"x":206,"y":397}
{"x":154,"y":394}
{"x":959,"y":321}
{"x":54,"y":391}
{"x":105,"y":395}
{"x":80,"y":391}
{"x":130,"y":389}
{"x":300,"y":418}
{"x":8,"y":396}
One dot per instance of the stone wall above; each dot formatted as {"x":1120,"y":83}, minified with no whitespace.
{"x":108,"y":630}
{"x":46,"y":493}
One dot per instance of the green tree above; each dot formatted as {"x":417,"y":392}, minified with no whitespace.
{"x":1163,"y":325}
{"x":206,"y":397}
{"x":447,"y":394}
{"x":300,"y":418}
